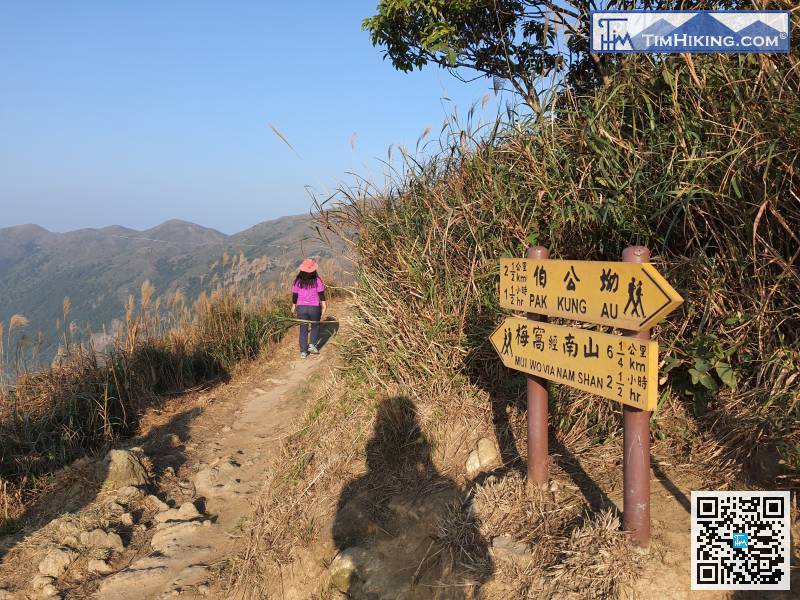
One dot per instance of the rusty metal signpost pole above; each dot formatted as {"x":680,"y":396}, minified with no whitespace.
{"x":636,"y":444}
{"x":538,"y":474}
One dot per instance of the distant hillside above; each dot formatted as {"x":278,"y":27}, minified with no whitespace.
{"x":99,"y":268}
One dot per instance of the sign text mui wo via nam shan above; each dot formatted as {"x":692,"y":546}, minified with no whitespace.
{"x":610,"y":366}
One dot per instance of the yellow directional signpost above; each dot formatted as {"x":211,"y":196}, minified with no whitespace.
{"x":631,"y":296}
{"x":611,"y":366}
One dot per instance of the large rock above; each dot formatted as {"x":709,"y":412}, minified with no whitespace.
{"x":344,"y":570}
{"x":487,"y":452}
{"x":361,"y":573}
{"x":39,"y":581}
{"x":129,"y":494}
{"x":473,"y":464}
{"x":186,"y":512}
{"x":123,"y":468}
{"x":115,"y":508}
{"x":57,"y":561}
{"x":98,"y":566}
{"x":135,"y":577}
{"x":69,"y":528}
{"x":102,"y":539}
{"x":155,"y":503}
{"x":48,"y":592}
{"x":68,"y":533}
{"x":483,"y":457}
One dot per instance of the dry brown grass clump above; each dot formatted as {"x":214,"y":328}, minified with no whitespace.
{"x":89,"y":398}
{"x":695,"y":157}
{"x":573,"y":553}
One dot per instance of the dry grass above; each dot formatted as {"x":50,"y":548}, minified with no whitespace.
{"x":573,"y":553}
{"x":88,"y":398}
{"x":695,"y":157}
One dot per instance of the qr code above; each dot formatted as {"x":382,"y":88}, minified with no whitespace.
{"x":740,"y":540}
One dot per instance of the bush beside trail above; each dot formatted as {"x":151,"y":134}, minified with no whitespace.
{"x":88,"y":400}
{"x":694,"y":157}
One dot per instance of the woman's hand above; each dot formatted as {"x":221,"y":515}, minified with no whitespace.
{"x":324,"y":309}
{"x":294,"y":310}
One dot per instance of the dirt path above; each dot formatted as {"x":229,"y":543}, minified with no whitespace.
{"x":228,"y":469}
{"x":207,"y":453}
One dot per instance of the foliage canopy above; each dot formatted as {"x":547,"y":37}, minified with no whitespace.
{"x":514,"y":42}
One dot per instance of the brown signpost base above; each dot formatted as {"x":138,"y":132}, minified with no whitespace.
{"x":538,"y":472}
{"x":636,"y":443}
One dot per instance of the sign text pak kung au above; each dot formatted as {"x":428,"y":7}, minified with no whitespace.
{"x":629,"y":296}
{"x":614,"y":367}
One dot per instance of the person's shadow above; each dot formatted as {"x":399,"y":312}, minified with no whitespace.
{"x":404,"y":528}
{"x":327,"y":329}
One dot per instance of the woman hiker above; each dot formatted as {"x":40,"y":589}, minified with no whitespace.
{"x":308,"y":304}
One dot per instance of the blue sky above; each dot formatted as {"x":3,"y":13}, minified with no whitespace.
{"x":132,"y":113}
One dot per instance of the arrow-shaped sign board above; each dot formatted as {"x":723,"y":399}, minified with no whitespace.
{"x":632,"y":296}
{"x":611,"y":366}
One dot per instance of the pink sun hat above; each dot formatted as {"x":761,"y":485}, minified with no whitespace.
{"x":308,"y":266}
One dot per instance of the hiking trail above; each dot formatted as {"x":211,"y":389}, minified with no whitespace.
{"x":229,"y":472}
{"x":209,"y":454}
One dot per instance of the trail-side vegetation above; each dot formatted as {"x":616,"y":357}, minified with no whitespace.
{"x":695,"y":157}
{"x":533,"y":47}
{"x":88,"y":398}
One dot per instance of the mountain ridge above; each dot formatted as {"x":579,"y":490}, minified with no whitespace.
{"x":169,"y":224}
{"x":99,"y":268}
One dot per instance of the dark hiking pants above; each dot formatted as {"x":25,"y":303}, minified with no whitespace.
{"x":309,"y":313}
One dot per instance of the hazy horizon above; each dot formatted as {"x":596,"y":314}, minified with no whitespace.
{"x":134,"y":114}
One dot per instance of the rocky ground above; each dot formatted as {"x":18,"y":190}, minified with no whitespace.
{"x":156,"y":520}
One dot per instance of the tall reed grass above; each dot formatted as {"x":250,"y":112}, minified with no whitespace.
{"x":89,"y":398}
{"x":696,"y":157}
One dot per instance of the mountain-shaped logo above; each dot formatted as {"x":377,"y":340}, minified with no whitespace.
{"x":703,"y":24}
{"x":659,"y":28}
{"x":758,"y":28}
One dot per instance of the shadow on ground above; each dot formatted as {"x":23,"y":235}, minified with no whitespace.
{"x":595,"y":497}
{"x":407,"y":528}
{"x":673,"y":489}
{"x":327,"y":329}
